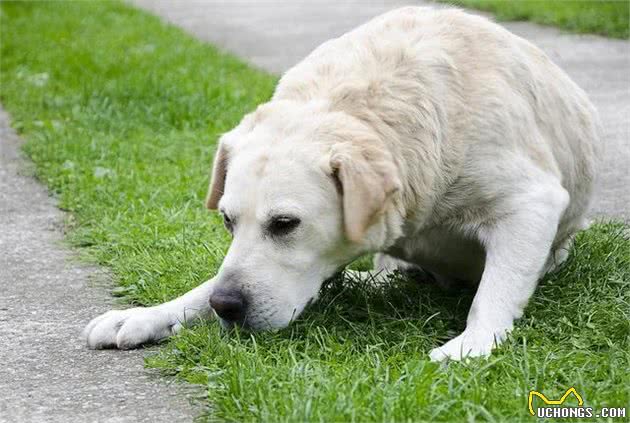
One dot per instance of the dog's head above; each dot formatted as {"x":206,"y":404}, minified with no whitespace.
{"x":303,"y":191}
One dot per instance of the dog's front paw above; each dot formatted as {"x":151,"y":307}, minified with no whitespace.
{"x":125,"y":329}
{"x":470,"y":343}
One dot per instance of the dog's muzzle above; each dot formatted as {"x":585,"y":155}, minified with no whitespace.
{"x":230,"y":305}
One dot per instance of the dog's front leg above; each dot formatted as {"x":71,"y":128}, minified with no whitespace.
{"x":133,"y":327}
{"x":517,"y":247}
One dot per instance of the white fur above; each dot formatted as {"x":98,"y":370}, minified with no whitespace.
{"x":435,"y":138}
{"x":133,"y":327}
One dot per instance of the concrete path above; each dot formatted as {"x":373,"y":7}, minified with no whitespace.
{"x":275,"y":35}
{"x":46,"y":297}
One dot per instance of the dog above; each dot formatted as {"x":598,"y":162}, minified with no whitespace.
{"x":434,"y":138}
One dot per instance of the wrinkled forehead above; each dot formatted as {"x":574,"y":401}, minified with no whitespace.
{"x":267,"y":180}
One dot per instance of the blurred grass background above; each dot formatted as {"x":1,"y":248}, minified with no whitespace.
{"x":608,"y":18}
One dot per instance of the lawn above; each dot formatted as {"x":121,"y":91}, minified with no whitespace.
{"x":121,"y":114}
{"x":609,"y":18}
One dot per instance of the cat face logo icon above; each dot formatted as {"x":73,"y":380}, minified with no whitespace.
{"x":553,"y":402}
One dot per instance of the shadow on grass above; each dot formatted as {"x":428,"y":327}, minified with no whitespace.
{"x":357,"y":308}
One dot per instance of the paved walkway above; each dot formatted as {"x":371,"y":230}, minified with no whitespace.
{"x":275,"y":35}
{"x":46,"y":297}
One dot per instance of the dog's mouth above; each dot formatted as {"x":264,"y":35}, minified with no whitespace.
{"x":226,"y":324}
{"x":257,"y":324}
{"x":244,"y":324}
{"x":248,"y":324}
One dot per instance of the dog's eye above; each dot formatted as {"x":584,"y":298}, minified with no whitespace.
{"x":229,"y":225}
{"x":282,"y":225}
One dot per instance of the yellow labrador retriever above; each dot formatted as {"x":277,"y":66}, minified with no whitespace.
{"x":433,"y":138}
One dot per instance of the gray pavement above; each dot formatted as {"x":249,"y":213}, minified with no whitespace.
{"x":46,"y":297}
{"x":275,"y":35}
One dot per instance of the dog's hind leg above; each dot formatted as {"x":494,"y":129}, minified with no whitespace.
{"x":386,"y":266}
{"x":558,"y":255}
{"x":560,"y":250}
{"x":384,"y":263}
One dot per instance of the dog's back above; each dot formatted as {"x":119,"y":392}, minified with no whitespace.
{"x":457,"y":88}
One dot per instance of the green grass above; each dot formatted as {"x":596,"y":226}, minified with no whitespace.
{"x":609,"y":18}
{"x":121,"y":114}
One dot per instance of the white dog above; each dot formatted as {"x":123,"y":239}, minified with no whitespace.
{"x":434,"y":138}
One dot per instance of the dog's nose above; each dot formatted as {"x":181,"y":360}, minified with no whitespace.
{"x":229,"y":304}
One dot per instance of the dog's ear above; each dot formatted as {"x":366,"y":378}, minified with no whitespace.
{"x":217,"y":180}
{"x":368,"y":177}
